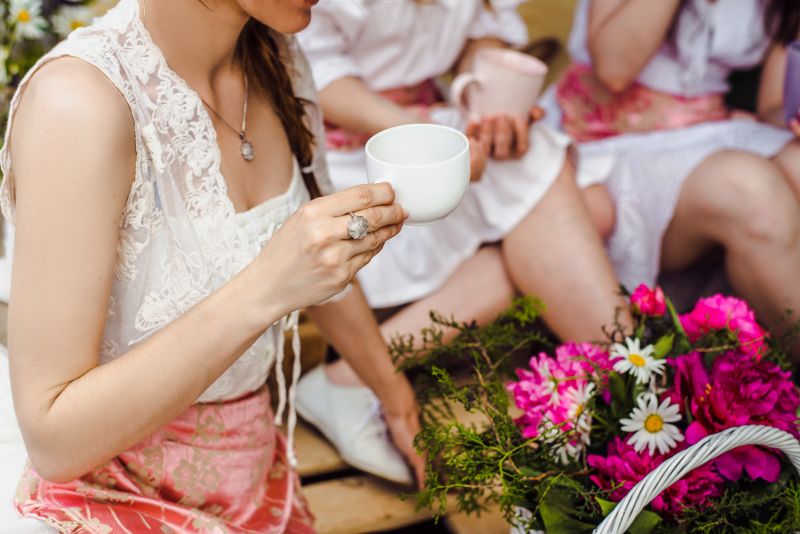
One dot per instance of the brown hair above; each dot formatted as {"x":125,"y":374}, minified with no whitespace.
{"x":262,"y":54}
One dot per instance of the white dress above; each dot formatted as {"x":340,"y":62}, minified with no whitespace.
{"x":391,"y":44}
{"x":712,"y":40}
{"x":180,"y":238}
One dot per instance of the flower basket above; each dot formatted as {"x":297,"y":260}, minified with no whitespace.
{"x":678,"y":423}
{"x":710,"y":447}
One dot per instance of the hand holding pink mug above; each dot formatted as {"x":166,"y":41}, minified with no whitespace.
{"x":502,"y":81}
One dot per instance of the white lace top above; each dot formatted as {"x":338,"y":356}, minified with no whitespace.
{"x":179,"y":236}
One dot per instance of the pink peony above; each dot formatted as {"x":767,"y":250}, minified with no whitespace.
{"x":551,"y":393}
{"x":739,"y":390}
{"x":623,"y":467}
{"x":649,"y":301}
{"x":718,"y":313}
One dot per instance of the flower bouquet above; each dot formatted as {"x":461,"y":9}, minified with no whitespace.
{"x":691,"y":410}
{"x":28,"y":29}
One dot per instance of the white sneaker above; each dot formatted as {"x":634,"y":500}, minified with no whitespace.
{"x":350,"y":418}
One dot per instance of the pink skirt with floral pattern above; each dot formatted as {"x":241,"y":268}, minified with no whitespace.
{"x":217,"y":468}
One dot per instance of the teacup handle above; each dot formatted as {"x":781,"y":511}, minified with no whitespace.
{"x":459,"y":86}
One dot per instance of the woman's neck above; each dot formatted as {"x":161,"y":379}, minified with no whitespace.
{"x":199,"y":42}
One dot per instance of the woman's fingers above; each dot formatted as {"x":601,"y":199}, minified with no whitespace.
{"x":354,"y":199}
{"x":371,"y":242}
{"x":377,"y":217}
{"x":536,"y":114}
{"x":521,"y":128}
{"x":503,"y":137}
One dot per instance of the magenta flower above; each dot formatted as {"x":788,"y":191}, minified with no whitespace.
{"x":623,"y":467}
{"x":739,"y":390}
{"x":552,"y":394}
{"x":719,"y":313}
{"x":649,"y":301}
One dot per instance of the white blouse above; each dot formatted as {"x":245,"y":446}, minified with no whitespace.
{"x":712,"y":39}
{"x":397,"y":43}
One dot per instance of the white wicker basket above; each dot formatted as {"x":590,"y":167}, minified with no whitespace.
{"x":672,"y":470}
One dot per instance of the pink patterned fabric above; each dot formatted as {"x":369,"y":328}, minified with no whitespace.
{"x":591,"y":112}
{"x":217,"y":468}
{"x":418,"y":98}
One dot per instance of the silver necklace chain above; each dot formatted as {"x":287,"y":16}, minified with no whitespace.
{"x":246,"y":147}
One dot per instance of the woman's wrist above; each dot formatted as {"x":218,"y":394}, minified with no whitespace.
{"x":255,"y":291}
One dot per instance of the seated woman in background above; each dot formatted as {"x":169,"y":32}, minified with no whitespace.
{"x":647,"y":87}
{"x":160,"y":256}
{"x":522,"y":227}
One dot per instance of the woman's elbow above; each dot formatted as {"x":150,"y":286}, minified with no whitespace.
{"x":613,"y":78}
{"x":52,"y":461}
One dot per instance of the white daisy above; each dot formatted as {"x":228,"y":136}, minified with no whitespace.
{"x":631,"y":358}
{"x":577,"y":399}
{"x":565,"y":452}
{"x":26,"y":15}
{"x":651,"y":424}
{"x":70,"y":18}
{"x":549,"y":382}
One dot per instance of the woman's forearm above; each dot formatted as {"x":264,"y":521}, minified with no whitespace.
{"x":464,"y":63}
{"x":349,"y":103}
{"x":114,"y":406}
{"x":352,"y":329}
{"x":624,"y":35}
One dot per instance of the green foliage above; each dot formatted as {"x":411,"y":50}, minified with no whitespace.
{"x":491,"y":462}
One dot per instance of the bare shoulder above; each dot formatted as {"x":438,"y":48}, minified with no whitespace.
{"x":75,"y":116}
{"x":68,"y":93}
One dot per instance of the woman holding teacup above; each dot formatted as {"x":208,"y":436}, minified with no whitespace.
{"x":647,"y":86}
{"x":160,"y":176}
{"x":375,"y":64}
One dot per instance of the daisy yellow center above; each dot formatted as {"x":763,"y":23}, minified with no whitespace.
{"x":24,"y":16}
{"x":654,"y":423}
{"x":579,"y":410}
{"x":75,"y":24}
{"x":636,"y":360}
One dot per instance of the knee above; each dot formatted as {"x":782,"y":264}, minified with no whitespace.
{"x":601,"y":209}
{"x":761,"y":204}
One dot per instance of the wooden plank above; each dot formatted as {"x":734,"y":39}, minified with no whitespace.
{"x":315,"y":455}
{"x":489,"y":522}
{"x":360,"y":504}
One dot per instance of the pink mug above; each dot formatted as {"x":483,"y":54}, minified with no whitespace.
{"x":501,"y":81}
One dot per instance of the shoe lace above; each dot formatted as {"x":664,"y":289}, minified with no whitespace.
{"x":372,"y":418}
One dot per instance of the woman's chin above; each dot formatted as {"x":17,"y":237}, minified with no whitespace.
{"x":293,"y":24}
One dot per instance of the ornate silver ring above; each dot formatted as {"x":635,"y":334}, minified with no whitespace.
{"x":357,"y":226}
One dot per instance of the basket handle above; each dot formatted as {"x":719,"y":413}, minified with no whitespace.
{"x":705,"y":450}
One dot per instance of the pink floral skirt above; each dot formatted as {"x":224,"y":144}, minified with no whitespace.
{"x":217,"y":468}
{"x":591,"y":112}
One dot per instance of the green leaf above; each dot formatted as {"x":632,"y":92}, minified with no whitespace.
{"x":664,"y":346}
{"x":616,"y":384}
{"x":605,"y":506}
{"x":645,"y":523}
{"x":556,"y":511}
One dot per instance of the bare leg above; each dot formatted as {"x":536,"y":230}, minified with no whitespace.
{"x":601,"y":209}
{"x":788,"y":160}
{"x":490,"y":292}
{"x":556,"y":254}
{"x":745,"y":204}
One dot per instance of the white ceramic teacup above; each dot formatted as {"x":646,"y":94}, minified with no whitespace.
{"x":427,"y":164}
{"x":501,"y":81}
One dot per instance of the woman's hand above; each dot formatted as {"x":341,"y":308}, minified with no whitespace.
{"x":507,"y":136}
{"x":312,"y":257}
{"x":401,"y":413}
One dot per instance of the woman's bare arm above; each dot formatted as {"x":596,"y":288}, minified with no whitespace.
{"x":770,"y":92}
{"x":73,"y":161}
{"x":624,"y":35}
{"x":349,"y":103}
{"x":351,"y":328}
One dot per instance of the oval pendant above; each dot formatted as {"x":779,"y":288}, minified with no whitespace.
{"x":247,"y":150}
